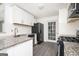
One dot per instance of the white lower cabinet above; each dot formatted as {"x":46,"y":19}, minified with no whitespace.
{"x":23,"y":49}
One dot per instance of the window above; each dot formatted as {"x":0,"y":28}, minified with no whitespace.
{"x":51,"y":30}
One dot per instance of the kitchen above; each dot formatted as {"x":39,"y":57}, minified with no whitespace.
{"x":18,"y":38}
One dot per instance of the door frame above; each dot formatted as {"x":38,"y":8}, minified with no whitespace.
{"x":55,"y":33}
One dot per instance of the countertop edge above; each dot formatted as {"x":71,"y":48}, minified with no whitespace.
{"x":16,"y":44}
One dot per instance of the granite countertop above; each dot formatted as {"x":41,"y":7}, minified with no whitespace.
{"x":71,"y":49}
{"x":8,"y":41}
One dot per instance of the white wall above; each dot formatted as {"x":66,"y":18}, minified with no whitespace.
{"x":23,"y":49}
{"x":45,"y":21}
{"x":65,"y":28}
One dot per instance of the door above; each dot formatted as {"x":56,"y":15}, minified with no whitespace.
{"x":51,"y":31}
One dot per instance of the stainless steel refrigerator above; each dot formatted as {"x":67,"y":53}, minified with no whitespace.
{"x":38,"y":29}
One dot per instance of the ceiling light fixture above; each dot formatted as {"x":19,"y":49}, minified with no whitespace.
{"x":40,"y":6}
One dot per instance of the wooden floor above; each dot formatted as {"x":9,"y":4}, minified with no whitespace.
{"x":45,"y":49}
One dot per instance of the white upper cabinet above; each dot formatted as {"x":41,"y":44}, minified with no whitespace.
{"x":20,"y":16}
{"x":17,"y":15}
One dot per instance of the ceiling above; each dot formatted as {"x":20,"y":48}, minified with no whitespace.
{"x":42,"y":9}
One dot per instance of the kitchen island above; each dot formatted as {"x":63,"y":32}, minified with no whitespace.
{"x":16,"y":46}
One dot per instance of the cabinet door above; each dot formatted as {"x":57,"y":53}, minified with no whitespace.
{"x":21,"y":16}
{"x":23,"y":49}
{"x":25,"y":18}
{"x":17,"y":15}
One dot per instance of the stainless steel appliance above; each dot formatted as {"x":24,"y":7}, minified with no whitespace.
{"x":38,"y":30}
{"x":73,"y":10}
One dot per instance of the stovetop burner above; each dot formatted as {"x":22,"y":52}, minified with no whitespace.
{"x":69,"y":39}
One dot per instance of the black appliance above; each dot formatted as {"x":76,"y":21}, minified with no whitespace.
{"x":38,"y":30}
{"x":73,"y":10}
{"x":31,"y":35}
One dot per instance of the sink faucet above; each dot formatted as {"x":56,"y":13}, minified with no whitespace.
{"x":15,"y":31}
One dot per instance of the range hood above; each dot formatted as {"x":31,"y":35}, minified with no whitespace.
{"x":73,"y":12}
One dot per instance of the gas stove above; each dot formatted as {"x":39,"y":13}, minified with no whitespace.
{"x":69,"y":39}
